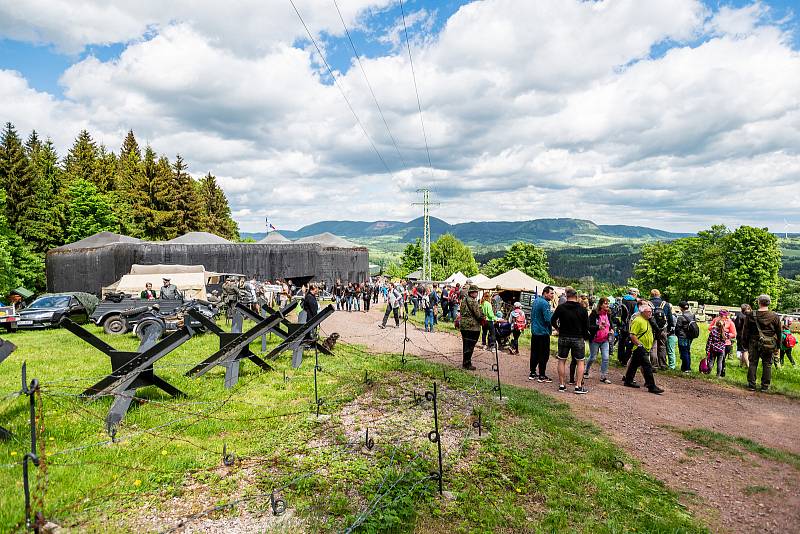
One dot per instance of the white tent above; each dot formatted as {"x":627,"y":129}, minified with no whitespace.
{"x":479,"y":278}
{"x":513,"y":280}
{"x":190,"y":279}
{"x":456,"y":278}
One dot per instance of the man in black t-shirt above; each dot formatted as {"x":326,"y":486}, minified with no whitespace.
{"x":572,"y":321}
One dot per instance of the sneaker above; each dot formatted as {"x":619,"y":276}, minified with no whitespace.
{"x":764,"y":389}
{"x":533,"y":377}
{"x":540,"y":379}
{"x":686,"y":372}
{"x":605,"y":380}
{"x":585,"y":375}
{"x":546,"y":379}
{"x":751,"y":387}
{"x":382,"y":326}
{"x":655,"y":390}
{"x":581,"y":391}
{"x":562,"y":389}
{"x":631,"y":385}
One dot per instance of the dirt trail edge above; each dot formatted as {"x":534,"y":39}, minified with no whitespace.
{"x":729,"y":492}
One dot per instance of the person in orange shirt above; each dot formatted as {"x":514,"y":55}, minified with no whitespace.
{"x":730,"y":333}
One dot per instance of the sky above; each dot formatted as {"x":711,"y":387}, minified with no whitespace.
{"x":675,"y":115}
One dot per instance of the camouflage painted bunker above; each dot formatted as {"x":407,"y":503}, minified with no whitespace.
{"x":101,"y":259}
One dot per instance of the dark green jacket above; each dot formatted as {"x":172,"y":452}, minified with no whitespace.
{"x":471,"y":314}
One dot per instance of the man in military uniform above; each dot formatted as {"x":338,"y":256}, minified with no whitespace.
{"x":169,"y":291}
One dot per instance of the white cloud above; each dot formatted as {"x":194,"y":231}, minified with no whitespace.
{"x":551,"y":108}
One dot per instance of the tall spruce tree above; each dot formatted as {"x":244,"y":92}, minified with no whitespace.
{"x":216,"y":208}
{"x":189,"y":212}
{"x":150,"y":212}
{"x":129,"y":164}
{"x":16,"y":175}
{"x":106,"y":169}
{"x":42,"y":226}
{"x":81,"y":162}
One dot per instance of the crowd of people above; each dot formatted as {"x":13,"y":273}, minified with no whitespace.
{"x":647,"y":334}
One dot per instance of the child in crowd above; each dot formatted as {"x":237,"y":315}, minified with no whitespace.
{"x":518,"y":325}
{"x":715,"y":346}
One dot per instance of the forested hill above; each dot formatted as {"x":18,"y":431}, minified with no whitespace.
{"x":541,"y":231}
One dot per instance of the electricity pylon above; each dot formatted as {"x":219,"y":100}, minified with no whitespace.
{"x":426,"y":232}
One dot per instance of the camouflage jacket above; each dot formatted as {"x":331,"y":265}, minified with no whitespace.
{"x":471,"y":314}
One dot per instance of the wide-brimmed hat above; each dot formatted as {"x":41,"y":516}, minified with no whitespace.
{"x":165,"y":279}
{"x":473,"y":288}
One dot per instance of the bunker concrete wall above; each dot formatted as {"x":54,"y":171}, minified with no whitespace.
{"x":93,"y":268}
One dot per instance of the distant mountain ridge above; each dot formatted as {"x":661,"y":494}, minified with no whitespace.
{"x":541,"y":231}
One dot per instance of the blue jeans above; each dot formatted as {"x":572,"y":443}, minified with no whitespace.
{"x":603,"y":347}
{"x":429,"y":320}
{"x":685,"y":350}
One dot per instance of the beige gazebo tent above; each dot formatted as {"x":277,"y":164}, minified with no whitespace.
{"x":513,"y":280}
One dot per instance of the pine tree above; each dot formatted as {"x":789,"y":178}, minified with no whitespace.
{"x":16,"y":175}
{"x":81,"y":161}
{"x":129,"y":164}
{"x":151,"y":214}
{"x":106,"y":169}
{"x":88,"y":211}
{"x":18,"y":265}
{"x":32,"y":146}
{"x":216,"y":208}
{"x":189,"y":212}
{"x":42,"y":226}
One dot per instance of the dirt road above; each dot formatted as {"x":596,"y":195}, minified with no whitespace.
{"x":730,"y":493}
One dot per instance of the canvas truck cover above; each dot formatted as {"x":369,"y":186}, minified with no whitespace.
{"x":189,"y":279}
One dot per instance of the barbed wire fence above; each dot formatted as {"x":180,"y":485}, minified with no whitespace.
{"x":332,"y":390}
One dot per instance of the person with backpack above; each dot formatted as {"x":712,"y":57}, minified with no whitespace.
{"x":763,"y":336}
{"x":730,"y":333}
{"x":663,"y":325}
{"x":393,"y":306}
{"x":425,"y":304}
{"x":788,"y":341}
{"x":687,"y":330}
{"x":628,"y":307}
{"x":715,"y":347}
{"x":469,"y":323}
{"x":599,"y":332}
{"x":518,"y":325}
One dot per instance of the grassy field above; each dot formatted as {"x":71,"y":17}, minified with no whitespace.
{"x":540,"y":469}
{"x":785,"y":379}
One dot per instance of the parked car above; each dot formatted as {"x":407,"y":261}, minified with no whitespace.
{"x":8,"y":317}
{"x":48,"y":310}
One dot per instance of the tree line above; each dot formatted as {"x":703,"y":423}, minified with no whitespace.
{"x":718,"y":266}
{"x":47,"y":201}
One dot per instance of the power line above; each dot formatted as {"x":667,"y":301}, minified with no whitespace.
{"x":338,"y":86}
{"x":369,"y":85}
{"x":416,"y":89}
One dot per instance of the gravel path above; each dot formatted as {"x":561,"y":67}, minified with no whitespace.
{"x":729,"y":493}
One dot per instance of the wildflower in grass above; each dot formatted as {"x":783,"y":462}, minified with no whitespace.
{"x":137,"y":482}
{"x":13,"y":453}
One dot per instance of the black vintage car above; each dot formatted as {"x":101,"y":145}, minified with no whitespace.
{"x":48,"y":310}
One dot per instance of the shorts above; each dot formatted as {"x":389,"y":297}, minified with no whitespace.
{"x":574,"y":345}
